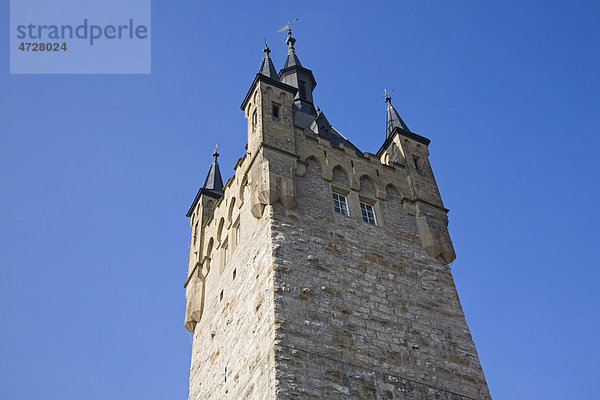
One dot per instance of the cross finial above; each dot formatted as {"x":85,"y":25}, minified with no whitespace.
{"x":386,"y":94}
{"x":215,"y":154}
{"x":266,"y":50}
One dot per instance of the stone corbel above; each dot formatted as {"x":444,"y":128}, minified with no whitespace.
{"x":433,"y":230}
{"x":194,"y":293}
{"x":271,"y":188}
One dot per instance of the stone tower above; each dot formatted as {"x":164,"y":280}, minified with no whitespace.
{"x":319,"y":271}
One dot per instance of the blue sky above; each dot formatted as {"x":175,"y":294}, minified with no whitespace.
{"x":97,"y":172}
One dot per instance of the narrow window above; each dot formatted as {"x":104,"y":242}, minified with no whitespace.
{"x":234,"y":273}
{"x":221,"y":296}
{"x":275,"y":110}
{"x":254,"y":119}
{"x":340,"y":204}
{"x":195,"y":232}
{"x":368,"y":214}
{"x":224,"y":255}
{"x":237,"y":234}
{"x":302,"y":89}
{"x":416,"y":162}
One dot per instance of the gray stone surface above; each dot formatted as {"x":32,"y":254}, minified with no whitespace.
{"x":310,"y":303}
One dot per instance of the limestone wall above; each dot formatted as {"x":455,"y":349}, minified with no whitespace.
{"x":232,"y":353}
{"x":288,"y":299}
{"x":364,"y":312}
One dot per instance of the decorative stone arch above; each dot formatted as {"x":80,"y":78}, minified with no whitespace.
{"x":314,"y":158}
{"x":339,"y":176}
{"x":282,"y":97}
{"x":230,"y":212}
{"x":368,"y":185}
{"x":320,"y":162}
{"x":209,"y":248}
{"x":210,"y":204}
{"x":220,"y":229}
{"x":242,"y":187}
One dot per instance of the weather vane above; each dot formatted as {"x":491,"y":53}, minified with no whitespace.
{"x":288,"y":27}
{"x":386,"y":95}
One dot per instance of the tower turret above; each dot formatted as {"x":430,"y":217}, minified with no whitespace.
{"x":266,"y":67}
{"x":294,"y":74}
{"x":201,"y":210}
{"x":411,"y":151}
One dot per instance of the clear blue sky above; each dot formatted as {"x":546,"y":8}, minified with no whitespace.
{"x":97,"y":172}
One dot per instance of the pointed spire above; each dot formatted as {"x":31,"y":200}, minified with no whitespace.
{"x":292,"y":59}
{"x":214,"y":182}
{"x":393,"y":119}
{"x":266,"y":67}
{"x":294,"y":74}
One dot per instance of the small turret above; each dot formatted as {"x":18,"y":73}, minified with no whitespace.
{"x":294,"y":74}
{"x":393,"y":119}
{"x":266,"y":67}
{"x":213,"y":184}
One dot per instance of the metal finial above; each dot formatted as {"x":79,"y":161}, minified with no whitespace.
{"x":386,"y":94}
{"x":290,"y":40}
{"x":215,"y":154}
{"x":266,"y":50}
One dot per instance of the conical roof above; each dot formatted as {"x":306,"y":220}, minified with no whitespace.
{"x":292,"y":59}
{"x":393,"y":119}
{"x":214,"y":182}
{"x":266,"y":67}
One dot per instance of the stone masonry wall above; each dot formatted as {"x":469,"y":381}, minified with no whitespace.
{"x":362,"y":311}
{"x":312,"y":304}
{"x":232,"y":353}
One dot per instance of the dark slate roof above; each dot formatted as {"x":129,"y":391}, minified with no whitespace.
{"x":292,"y":59}
{"x":266,"y":67}
{"x":213,"y":184}
{"x":394,"y":126}
{"x":393,"y":119}
{"x":319,"y":126}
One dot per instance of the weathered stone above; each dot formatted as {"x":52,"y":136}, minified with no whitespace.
{"x":287,"y":298}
